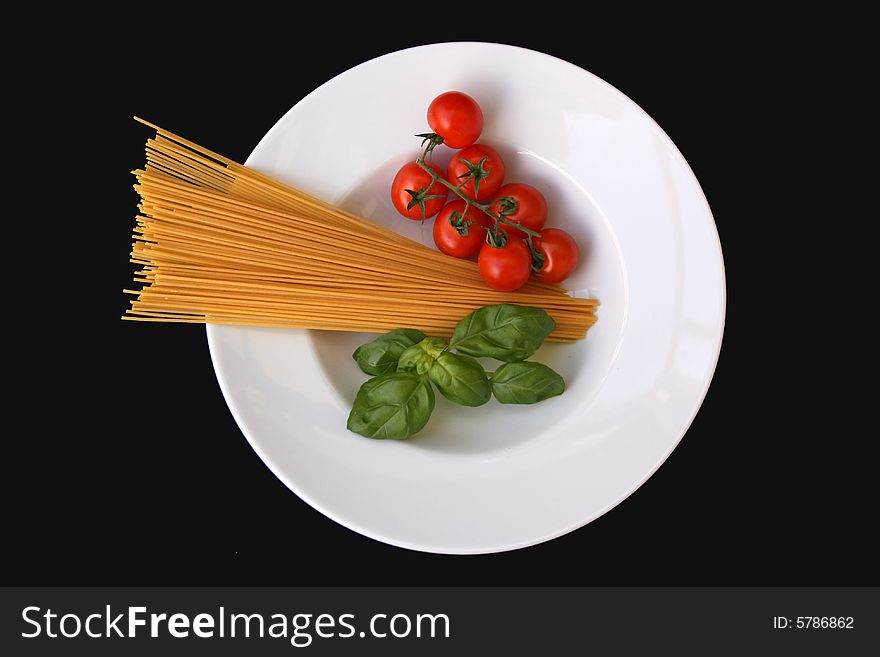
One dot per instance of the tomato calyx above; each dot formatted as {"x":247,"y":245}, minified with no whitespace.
{"x":507,"y":205}
{"x":420,"y":197}
{"x":475,"y":172}
{"x":459,"y":223}
{"x":432,"y":139}
{"x":537,"y":257}
{"x":496,"y":237}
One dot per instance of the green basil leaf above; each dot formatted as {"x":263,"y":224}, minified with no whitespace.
{"x":526,"y":383}
{"x":419,"y":358}
{"x":458,"y":378}
{"x":504,"y":331}
{"x":395,"y":405}
{"x":381,"y":355}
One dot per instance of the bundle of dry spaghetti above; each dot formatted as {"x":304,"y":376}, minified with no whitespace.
{"x":220,"y":243}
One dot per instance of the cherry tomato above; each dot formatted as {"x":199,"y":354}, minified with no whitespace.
{"x":506,"y":268}
{"x":457,"y":118}
{"x":460,"y":244}
{"x":560,"y":254}
{"x":412,"y":176}
{"x":531,"y":208}
{"x":491,"y":172}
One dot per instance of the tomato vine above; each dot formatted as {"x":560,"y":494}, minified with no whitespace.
{"x":496,"y":235}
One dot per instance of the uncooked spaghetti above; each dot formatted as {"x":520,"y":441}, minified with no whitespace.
{"x":220,"y":243}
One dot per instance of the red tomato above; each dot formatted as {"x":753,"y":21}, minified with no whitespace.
{"x":452,"y":242}
{"x":457,"y":118}
{"x":411,"y":176}
{"x":531,"y":208}
{"x":491,"y":173}
{"x":506,"y":268}
{"x":560,"y":254}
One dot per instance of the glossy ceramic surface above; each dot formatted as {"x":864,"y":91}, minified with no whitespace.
{"x":495,"y":477}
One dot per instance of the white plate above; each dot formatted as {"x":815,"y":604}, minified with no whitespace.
{"x":496,"y":477}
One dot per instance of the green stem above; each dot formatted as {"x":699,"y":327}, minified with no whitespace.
{"x":537,"y":256}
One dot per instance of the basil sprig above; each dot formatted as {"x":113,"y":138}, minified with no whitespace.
{"x":399,"y":402}
{"x":458,"y":378}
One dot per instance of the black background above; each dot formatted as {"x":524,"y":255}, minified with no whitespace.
{"x":122,"y":462}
